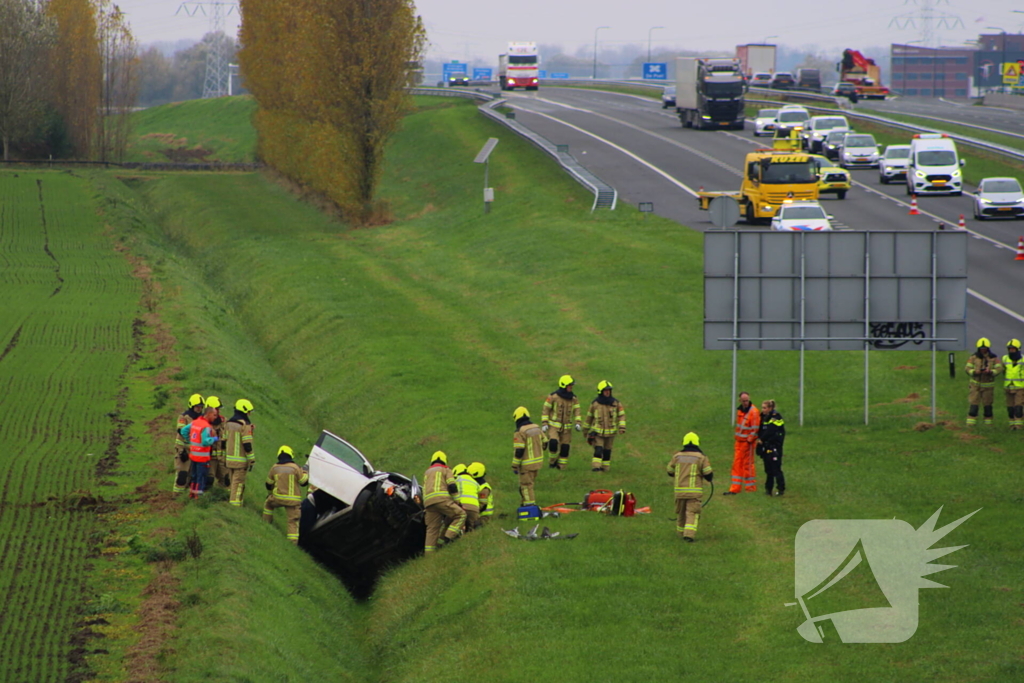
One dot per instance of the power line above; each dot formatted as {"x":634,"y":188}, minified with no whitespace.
{"x":217,"y":81}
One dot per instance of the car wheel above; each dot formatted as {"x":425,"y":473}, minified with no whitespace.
{"x":909,"y":192}
{"x":841,"y":194}
{"x":883,"y":180}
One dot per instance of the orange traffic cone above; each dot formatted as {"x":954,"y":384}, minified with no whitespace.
{"x":1020,"y":250}
{"x":962,"y":224}
{"x":913,"y":206}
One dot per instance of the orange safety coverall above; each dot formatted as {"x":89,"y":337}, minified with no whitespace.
{"x":744,"y":474}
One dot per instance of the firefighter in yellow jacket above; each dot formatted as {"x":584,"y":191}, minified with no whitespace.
{"x":238,"y":455}
{"x":605,"y":419}
{"x":689,"y":468}
{"x":982,"y":369}
{"x":218,"y":472}
{"x":485,"y":496}
{"x":439,"y":489}
{"x":561,"y":414}
{"x":1013,"y":383}
{"x":284,"y":483}
{"x":181,"y":459}
{"x":527,"y":453}
{"x":469,"y":496}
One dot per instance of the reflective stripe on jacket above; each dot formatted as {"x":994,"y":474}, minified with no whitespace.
{"x":435,"y":484}
{"x":200,"y":440}
{"x":560,"y":413}
{"x":238,"y":443}
{"x":747,"y":424}
{"x":285,"y":480}
{"x":982,"y":371}
{"x":529,"y":438}
{"x":606,"y":420}
{"x":689,"y":468}
{"x":469,"y":492}
{"x":1014,"y":369}
{"x":486,"y":496}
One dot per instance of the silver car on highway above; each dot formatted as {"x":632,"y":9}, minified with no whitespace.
{"x":764,"y":123}
{"x":998,"y":198}
{"x":893,"y":164}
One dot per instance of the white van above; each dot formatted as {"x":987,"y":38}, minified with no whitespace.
{"x":933,"y":166}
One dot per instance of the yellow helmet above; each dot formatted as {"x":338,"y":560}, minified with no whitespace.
{"x":565,"y":380}
{"x":691,"y":439}
{"x":459,"y":469}
{"x":1015,"y":343}
{"x":476,"y":470}
{"x":212,"y":402}
{"x":984,"y":342}
{"x":439,"y":456}
{"x":286,"y":450}
{"x":243,"y":405}
{"x":195,"y":400}
{"x":520,"y":413}
{"x":602,"y":385}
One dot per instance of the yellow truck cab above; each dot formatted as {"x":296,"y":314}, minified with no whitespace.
{"x":771,"y":178}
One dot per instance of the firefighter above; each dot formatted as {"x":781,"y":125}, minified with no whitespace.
{"x":201,"y":439}
{"x":561,"y":414}
{"x":1013,"y":383}
{"x":218,"y":466}
{"x":527,"y":453}
{"x":439,"y":487}
{"x":689,"y":468}
{"x":982,"y":369}
{"x":238,"y":454}
{"x":284,"y":483}
{"x":469,"y":496}
{"x":744,"y":473}
{"x":478,"y":471}
{"x":606,"y":417}
{"x":770,"y":437}
{"x":181,"y":460}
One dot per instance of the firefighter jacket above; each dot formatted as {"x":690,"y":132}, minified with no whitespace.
{"x":469,"y":492}
{"x":561,"y":411}
{"x":1014,"y":369}
{"x":690,"y":467}
{"x":285,"y":481}
{"x":238,"y":442}
{"x":982,"y":371}
{"x":771,"y":434}
{"x":486,"y":497}
{"x":606,"y":416}
{"x":439,"y":484}
{"x":528,"y":445}
{"x":217,"y":424}
{"x":200,"y":439}
{"x":747,"y":423}
{"x":184,"y":420}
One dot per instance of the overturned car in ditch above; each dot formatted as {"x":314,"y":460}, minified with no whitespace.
{"x":358,"y":521}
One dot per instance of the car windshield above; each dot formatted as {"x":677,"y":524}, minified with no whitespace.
{"x":671,"y":90}
{"x":762,"y":77}
{"x":937,"y":157}
{"x":835,"y":136}
{"x":793,"y":116}
{"x":767,"y":113}
{"x":522,"y":59}
{"x":344,"y":452}
{"x":723,"y":89}
{"x":1007,"y":185}
{"x":829,"y":124}
{"x":802,"y":213}
{"x":897,"y":153}
{"x":784,"y":173}
{"x":859,"y":141}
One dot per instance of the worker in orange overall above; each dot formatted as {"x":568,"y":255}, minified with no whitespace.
{"x":748,"y":421}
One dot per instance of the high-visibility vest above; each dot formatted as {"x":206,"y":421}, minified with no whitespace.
{"x":747,"y":424}
{"x":469,"y":491}
{"x":1014,"y":377}
{"x":489,"y":498}
{"x":196,"y":450}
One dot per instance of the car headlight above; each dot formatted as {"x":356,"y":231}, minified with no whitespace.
{"x":888,"y":168}
{"x":920,"y":174}
{"x":985,"y":201}
{"x":956,"y":173}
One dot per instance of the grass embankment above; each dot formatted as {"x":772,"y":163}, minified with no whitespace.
{"x":951,"y":127}
{"x":426,"y":333}
{"x":212,"y":130}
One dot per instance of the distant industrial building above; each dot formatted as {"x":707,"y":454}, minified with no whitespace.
{"x":954,"y":72}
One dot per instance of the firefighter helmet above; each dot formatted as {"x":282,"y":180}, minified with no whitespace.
{"x":286,"y":450}
{"x":195,"y":400}
{"x":476,"y":470}
{"x":602,"y":385}
{"x":212,"y":402}
{"x":520,"y":413}
{"x":459,"y":469}
{"x":440,"y":457}
{"x":984,"y":342}
{"x":1015,"y":343}
{"x":691,"y":439}
{"x":565,"y":381}
{"x":244,"y":405}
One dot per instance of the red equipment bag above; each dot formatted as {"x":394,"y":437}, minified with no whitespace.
{"x":596,"y":498}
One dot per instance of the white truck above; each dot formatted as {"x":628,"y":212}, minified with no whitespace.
{"x":756,"y":59}
{"x":519,"y":67}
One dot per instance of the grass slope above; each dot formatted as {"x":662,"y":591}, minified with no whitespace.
{"x":212,"y":130}
{"x":426,"y":333}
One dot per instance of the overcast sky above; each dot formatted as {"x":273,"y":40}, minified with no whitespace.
{"x":461,"y":29}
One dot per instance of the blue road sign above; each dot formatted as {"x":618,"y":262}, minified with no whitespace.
{"x":453,"y":68}
{"x":480,"y":74}
{"x":541,"y":73}
{"x":655,"y":71}
{"x":558,"y":75}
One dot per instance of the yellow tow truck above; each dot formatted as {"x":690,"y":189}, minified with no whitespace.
{"x":771,"y":178}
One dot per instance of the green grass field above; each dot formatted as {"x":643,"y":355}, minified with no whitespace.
{"x":211,"y":130}
{"x":425,"y":334}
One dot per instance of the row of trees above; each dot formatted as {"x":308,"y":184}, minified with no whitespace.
{"x":328,"y":77}
{"x":173,"y":78}
{"x":68,"y":78}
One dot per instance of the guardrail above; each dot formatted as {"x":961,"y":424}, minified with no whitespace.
{"x":1014,"y":154}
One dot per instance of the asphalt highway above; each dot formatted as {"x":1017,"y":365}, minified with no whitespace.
{"x":642,"y":150}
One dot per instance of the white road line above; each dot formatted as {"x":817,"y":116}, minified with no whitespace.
{"x":996,"y":305}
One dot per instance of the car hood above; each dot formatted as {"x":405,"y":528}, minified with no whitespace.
{"x":815,"y":225}
{"x":1003,"y":197}
{"x":861,"y":151}
{"x":896,"y":162}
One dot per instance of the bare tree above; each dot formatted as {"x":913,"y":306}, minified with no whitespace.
{"x":120,"y":88}
{"x":25,"y":36}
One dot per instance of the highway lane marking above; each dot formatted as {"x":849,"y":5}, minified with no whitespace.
{"x":663,"y":174}
{"x":996,"y":305}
